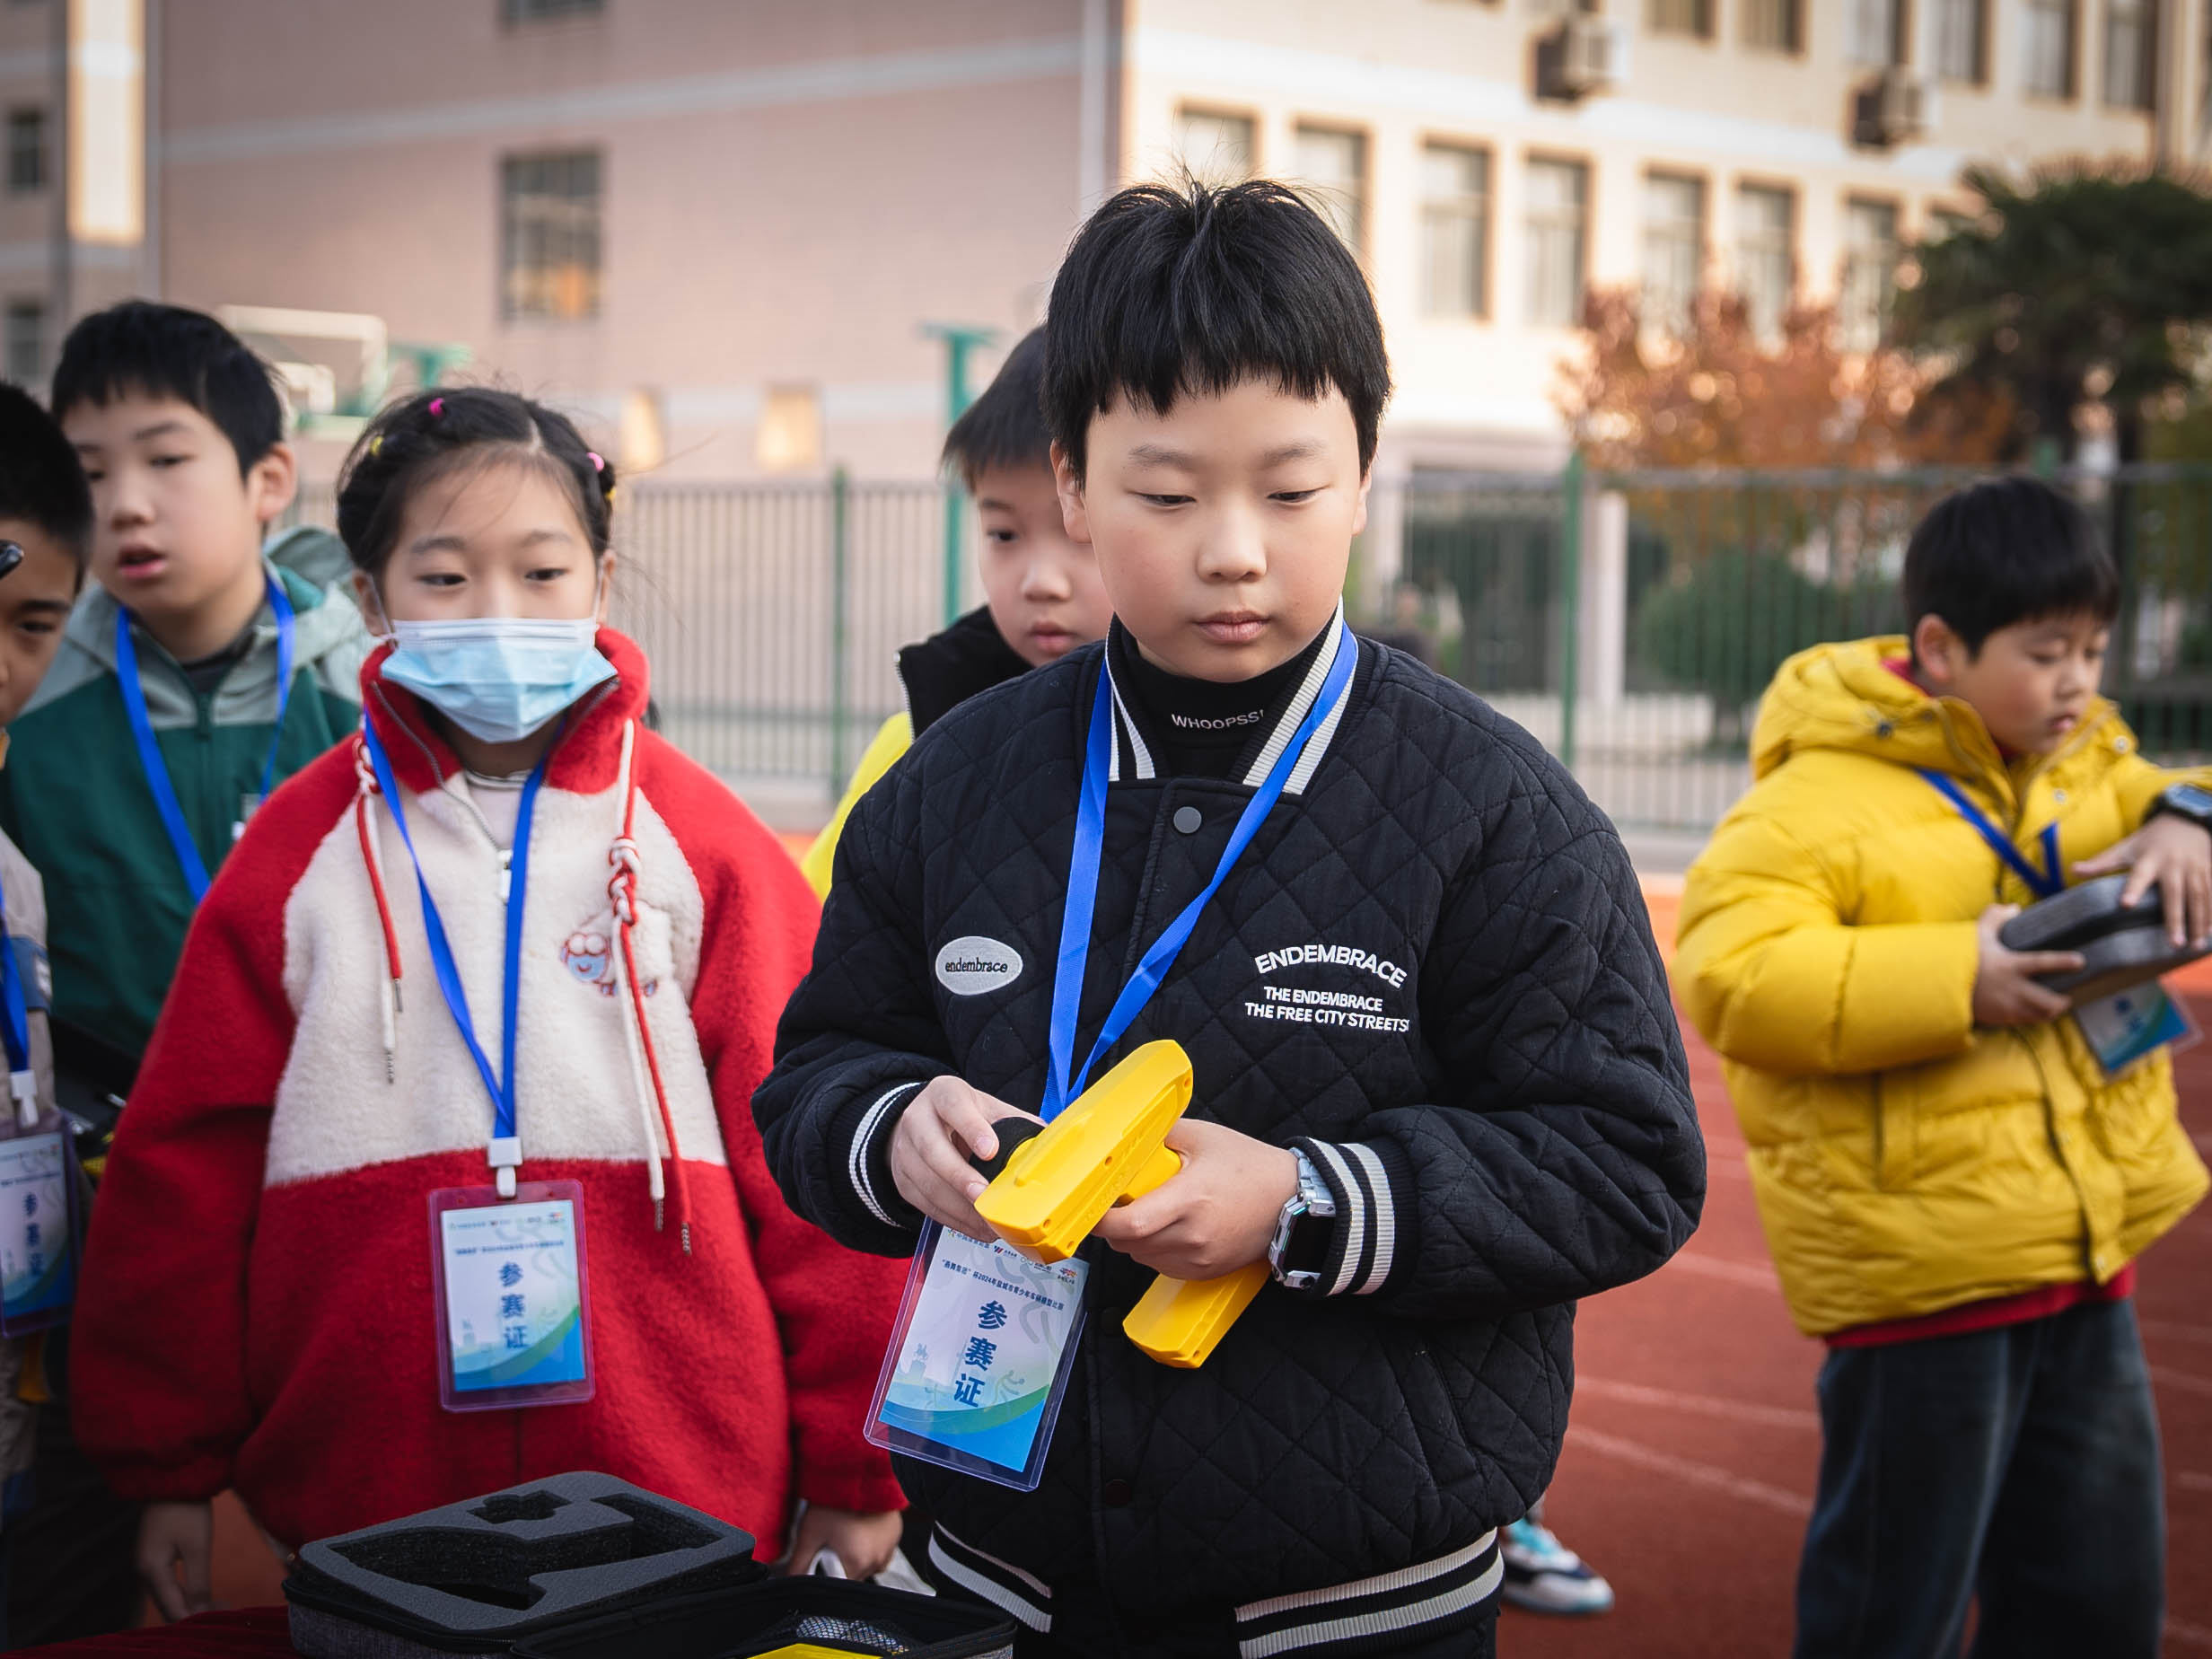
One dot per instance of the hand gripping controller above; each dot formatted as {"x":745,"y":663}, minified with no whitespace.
{"x":1051,"y":1183}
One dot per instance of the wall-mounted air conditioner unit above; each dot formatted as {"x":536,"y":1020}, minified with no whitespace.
{"x":1896,"y":107}
{"x":1584,"y":54}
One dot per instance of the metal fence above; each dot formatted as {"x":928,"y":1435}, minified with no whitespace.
{"x":1630,"y":620}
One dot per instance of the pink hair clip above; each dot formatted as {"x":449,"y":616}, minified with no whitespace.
{"x":597,"y":464}
{"x":437,"y":408}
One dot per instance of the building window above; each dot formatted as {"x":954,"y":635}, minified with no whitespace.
{"x":26,"y":342}
{"x":27,"y":149}
{"x":1869,"y":272}
{"x":1683,"y":17}
{"x":1766,"y":260}
{"x":1673,"y":251}
{"x":546,"y":10}
{"x":1334,"y":165}
{"x":1456,"y":223}
{"x":550,"y":255}
{"x":2131,"y":31}
{"x":2049,"y":39}
{"x":1961,"y":40}
{"x":1215,"y":147}
{"x":790,"y":435}
{"x":1773,"y":24}
{"x":1875,"y":32}
{"x":1558,"y":233}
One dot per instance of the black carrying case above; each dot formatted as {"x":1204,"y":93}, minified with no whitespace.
{"x":768,"y":1617}
{"x":481,"y":1576}
{"x":2119,"y":947}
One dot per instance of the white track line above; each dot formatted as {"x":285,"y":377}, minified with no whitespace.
{"x":1690,"y":1471}
{"x":2192,"y":1480}
{"x":2181,"y":1382}
{"x":2188,"y":1635}
{"x":2173,"y":1331}
{"x":1700,"y":1405}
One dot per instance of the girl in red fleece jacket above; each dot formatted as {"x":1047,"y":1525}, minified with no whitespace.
{"x":270,"y":1301}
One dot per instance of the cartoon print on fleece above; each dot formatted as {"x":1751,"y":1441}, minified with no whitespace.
{"x":258,"y":1308}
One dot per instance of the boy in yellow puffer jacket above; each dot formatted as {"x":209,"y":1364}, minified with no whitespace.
{"x":1953,"y":1188}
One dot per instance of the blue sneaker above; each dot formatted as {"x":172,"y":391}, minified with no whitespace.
{"x":1543,"y":1576}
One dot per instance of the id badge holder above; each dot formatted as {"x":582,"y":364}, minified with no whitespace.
{"x":248,"y":804}
{"x":514,"y":1309}
{"x":2127,"y":1027}
{"x":980,"y":1360}
{"x":38,"y":1232}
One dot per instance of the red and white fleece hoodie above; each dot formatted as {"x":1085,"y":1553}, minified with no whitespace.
{"x":257,"y":1308}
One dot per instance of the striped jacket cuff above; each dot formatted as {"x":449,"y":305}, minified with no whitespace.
{"x":1372,"y":1186}
{"x":867,"y":1157}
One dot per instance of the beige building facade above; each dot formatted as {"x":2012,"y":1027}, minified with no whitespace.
{"x":723,"y":230}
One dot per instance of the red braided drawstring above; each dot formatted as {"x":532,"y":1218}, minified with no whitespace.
{"x":621,"y":895}
{"x":367,"y":775}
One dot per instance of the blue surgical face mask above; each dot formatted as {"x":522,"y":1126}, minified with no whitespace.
{"x":498,"y":678}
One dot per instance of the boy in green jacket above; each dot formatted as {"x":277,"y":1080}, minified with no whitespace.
{"x":165,"y":717}
{"x":193,"y":677}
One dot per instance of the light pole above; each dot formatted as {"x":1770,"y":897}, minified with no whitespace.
{"x":960,"y":339}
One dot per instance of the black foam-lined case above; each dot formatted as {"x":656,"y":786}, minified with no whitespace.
{"x":755,"y":1621}
{"x":478,"y":1577}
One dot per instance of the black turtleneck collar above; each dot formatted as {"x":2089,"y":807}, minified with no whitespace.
{"x":947,"y":669}
{"x":1205,"y":728}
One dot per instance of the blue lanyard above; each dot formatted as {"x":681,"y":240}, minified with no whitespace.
{"x":149,"y":753}
{"x":17,"y":1031}
{"x":499,"y":1083}
{"x":2043,"y":883}
{"x":1083,"y":880}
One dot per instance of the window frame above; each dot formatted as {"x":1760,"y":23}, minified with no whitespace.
{"x":511,"y":312}
{"x":1896,"y":209}
{"x":1530,"y":160}
{"x":1256,"y":129}
{"x":1702,"y":254}
{"x":1900,"y":35}
{"x":521,"y":14}
{"x":2071,"y":90}
{"x":1792,"y":16}
{"x":1363,"y":229}
{"x":1792,"y":227}
{"x":2145,"y":98}
{"x":1701,"y":27}
{"x":1980,"y":73}
{"x":37,"y":119}
{"x":19,"y":308}
{"x":1485,"y":219}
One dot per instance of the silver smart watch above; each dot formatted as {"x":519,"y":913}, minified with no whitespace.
{"x":1299,"y":1248}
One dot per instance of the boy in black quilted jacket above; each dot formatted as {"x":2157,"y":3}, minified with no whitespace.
{"x":1439,"y":1089}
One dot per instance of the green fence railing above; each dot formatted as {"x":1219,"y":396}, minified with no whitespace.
{"x":1630,"y":620}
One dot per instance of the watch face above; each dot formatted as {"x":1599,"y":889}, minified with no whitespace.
{"x":2190,"y":799}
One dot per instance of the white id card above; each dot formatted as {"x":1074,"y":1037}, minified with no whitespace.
{"x":979,"y":1361}
{"x":514,"y":1314}
{"x":38,"y":1242}
{"x":2131,"y":1026}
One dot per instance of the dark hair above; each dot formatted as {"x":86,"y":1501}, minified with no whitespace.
{"x":1192,"y":289}
{"x":1005,"y":427}
{"x":424,"y":437}
{"x":164,"y":351}
{"x":2003,"y":551}
{"x":40,"y":479}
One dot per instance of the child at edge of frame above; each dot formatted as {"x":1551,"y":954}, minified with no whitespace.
{"x":46,"y":512}
{"x":1040,"y":587}
{"x":1496,"y":1120}
{"x":1956,"y":1173}
{"x":438,"y":1176}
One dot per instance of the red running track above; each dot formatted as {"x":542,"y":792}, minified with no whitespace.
{"x":1693,"y":1446}
{"x":1689,"y":1465}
